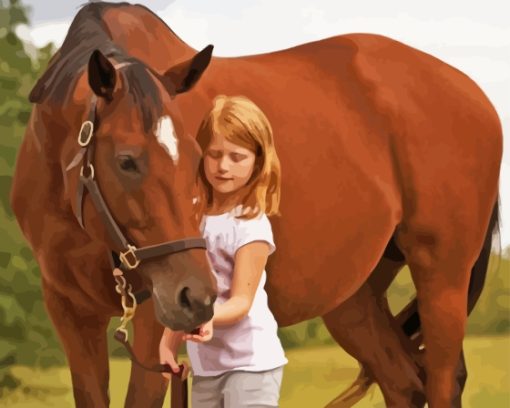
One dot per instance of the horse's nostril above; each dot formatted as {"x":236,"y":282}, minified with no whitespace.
{"x":184,"y":300}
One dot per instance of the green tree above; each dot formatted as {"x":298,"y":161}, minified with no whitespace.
{"x":26,"y":334}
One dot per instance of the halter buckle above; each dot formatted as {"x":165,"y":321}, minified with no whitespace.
{"x":126,"y":261}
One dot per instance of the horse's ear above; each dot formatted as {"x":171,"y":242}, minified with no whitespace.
{"x":186,"y":74}
{"x":102,"y":75}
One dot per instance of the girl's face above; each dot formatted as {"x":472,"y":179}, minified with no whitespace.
{"x":227,"y":166}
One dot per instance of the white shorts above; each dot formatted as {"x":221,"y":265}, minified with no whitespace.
{"x":238,"y":389}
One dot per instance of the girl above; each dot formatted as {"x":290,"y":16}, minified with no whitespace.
{"x":237,"y":358}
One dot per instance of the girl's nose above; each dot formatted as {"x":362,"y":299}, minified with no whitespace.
{"x":223,"y":165}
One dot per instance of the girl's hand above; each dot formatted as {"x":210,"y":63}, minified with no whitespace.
{"x":205,"y":334}
{"x":167,"y":356}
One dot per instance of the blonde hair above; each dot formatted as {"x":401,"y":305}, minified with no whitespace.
{"x":242,"y":122}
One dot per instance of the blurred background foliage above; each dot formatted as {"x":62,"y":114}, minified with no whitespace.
{"x":26,"y":334}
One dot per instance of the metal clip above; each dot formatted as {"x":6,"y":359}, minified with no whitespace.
{"x":120,"y":287}
{"x":129,"y":311}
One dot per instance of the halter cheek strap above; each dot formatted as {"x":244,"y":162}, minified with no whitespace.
{"x":86,"y":153}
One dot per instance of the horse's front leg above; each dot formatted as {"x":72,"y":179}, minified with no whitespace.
{"x":84,"y":340}
{"x":146,"y":388}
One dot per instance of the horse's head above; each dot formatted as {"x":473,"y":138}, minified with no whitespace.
{"x":144,"y":165}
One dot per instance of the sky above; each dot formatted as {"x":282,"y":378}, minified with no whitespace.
{"x":473,"y":36}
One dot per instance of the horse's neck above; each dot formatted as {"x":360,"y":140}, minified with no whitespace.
{"x":144,"y":36}
{"x":35,"y":185}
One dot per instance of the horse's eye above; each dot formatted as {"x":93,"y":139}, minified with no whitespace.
{"x":127,"y":164}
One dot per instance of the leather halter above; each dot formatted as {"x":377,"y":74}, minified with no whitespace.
{"x":130,"y":256}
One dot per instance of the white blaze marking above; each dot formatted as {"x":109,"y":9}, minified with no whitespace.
{"x":165,"y":133}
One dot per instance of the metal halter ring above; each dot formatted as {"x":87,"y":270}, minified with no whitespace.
{"x":86,"y":133}
{"x":91,"y":169}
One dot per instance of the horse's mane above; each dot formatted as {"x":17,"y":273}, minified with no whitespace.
{"x":86,"y":34}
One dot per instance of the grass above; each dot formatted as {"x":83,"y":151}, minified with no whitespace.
{"x":312,"y":378}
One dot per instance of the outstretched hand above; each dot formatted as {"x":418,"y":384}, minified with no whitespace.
{"x":205,"y":333}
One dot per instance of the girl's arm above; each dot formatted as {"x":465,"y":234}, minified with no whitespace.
{"x":171,"y":339}
{"x":250,"y":261}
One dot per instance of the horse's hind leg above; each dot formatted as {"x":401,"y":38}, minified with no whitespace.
{"x":409,"y":320}
{"x":460,"y":381}
{"x":146,"y":388}
{"x":442,"y":301}
{"x":364,"y":328}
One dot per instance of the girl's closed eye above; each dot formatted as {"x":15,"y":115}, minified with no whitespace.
{"x":237,"y":157}
{"x":214,"y":154}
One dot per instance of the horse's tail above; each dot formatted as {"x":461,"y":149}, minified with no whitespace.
{"x":479,"y":271}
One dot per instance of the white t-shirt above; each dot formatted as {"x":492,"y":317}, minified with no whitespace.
{"x":252,"y":344}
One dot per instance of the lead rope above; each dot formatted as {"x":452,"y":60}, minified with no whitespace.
{"x":179,"y":384}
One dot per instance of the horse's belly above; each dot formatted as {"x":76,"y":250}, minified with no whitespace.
{"x":326,"y":250}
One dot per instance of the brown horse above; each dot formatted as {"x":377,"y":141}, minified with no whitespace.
{"x":389,"y":157}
